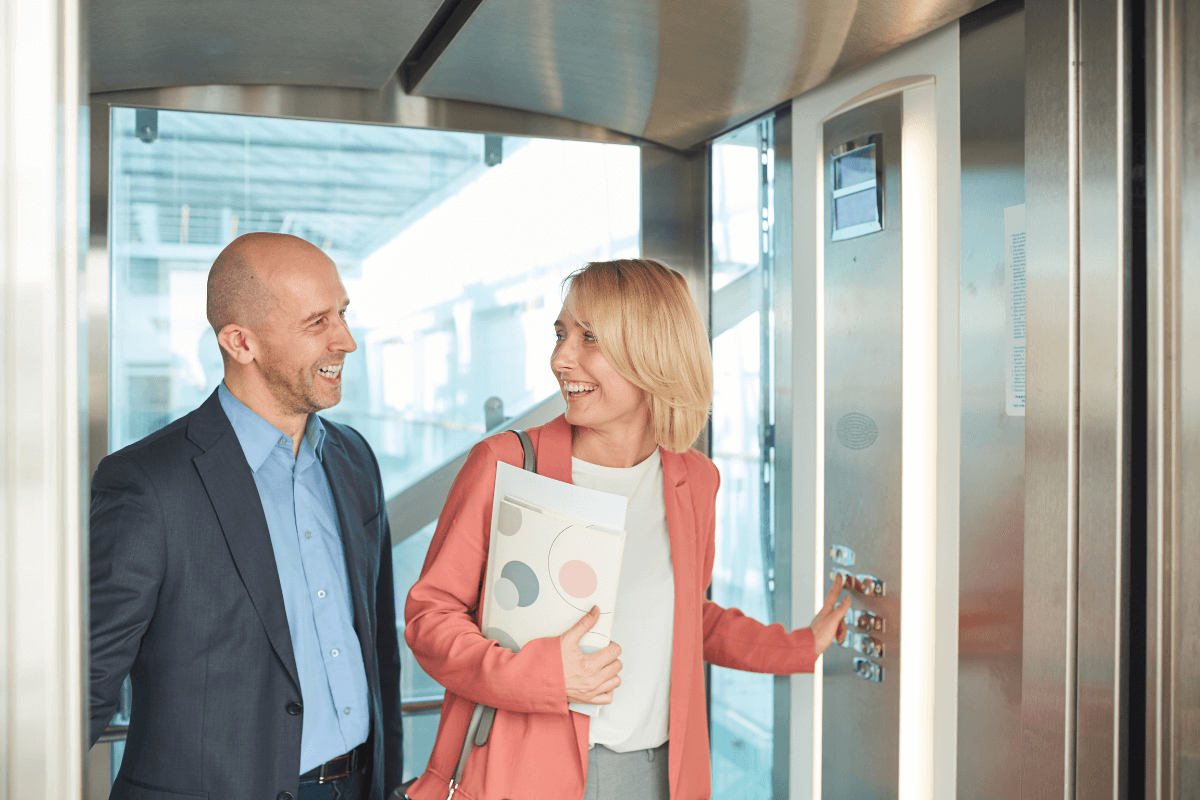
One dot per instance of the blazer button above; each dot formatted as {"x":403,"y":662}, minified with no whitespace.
{"x":284,"y":796}
{"x":294,"y":709}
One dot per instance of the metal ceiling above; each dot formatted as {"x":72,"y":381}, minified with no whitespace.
{"x":142,"y":44}
{"x":676,"y":72}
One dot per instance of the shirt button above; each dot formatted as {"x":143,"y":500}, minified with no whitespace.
{"x":283,"y":440}
{"x":308,"y":534}
{"x":346,"y":710}
{"x":321,"y":593}
{"x":294,"y":708}
{"x":284,"y":796}
{"x":333,"y":652}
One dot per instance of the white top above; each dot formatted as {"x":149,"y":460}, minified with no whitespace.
{"x":644,"y":618}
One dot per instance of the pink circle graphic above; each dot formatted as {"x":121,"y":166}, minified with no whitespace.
{"x":577,"y":579}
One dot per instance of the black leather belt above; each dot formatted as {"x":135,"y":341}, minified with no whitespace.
{"x":339,"y":767}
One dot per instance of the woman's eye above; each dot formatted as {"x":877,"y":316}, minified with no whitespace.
{"x":588,"y":336}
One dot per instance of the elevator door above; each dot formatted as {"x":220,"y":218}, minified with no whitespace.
{"x":862,"y":446}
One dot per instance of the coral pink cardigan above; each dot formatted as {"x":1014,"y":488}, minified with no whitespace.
{"x":537,"y":748}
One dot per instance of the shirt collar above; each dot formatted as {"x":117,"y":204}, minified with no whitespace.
{"x":258,"y":437}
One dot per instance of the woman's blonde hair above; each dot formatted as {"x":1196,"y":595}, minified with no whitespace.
{"x":649,"y":329}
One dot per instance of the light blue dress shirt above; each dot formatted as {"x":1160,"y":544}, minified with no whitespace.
{"x":302,"y":519}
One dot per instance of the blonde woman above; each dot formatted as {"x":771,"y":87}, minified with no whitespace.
{"x":632,"y":360}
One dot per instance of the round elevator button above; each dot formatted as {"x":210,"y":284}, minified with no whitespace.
{"x":294,"y":709}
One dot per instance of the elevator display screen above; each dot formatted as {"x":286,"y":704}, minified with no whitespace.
{"x":857,"y":189}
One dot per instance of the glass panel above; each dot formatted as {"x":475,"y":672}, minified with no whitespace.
{"x":742,"y":704}
{"x":736,"y":211}
{"x":856,"y":209}
{"x":452,"y":259}
{"x":854,"y":167}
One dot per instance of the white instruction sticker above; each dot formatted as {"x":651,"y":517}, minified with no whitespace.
{"x":1014,"y":328}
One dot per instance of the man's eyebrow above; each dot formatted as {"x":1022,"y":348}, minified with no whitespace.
{"x":316,"y":315}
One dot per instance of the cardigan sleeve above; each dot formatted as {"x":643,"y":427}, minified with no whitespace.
{"x":441,"y":613}
{"x":731,"y":639}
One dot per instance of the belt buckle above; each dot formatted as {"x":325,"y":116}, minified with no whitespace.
{"x":350,"y":758}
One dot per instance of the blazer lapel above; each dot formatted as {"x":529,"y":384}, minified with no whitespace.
{"x":681,"y":528}
{"x":231,"y":489}
{"x":337,"y":470}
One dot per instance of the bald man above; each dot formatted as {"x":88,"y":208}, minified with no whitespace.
{"x":241,"y":569}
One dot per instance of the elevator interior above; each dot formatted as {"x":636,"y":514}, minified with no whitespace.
{"x":1060,"y":554}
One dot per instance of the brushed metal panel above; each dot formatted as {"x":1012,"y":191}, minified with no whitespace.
{"x":1185,"y":673}
{"x":863,"y":466}
{"x":992,"y":504}
{"x":138,"y":44}
{"x":1051,"y":455}
{"x":782,"y":455}
{"x":675,"y":192}
{"x":1105,"y":264}
{"x":676,"y":72}
{"x":1166,"y":358}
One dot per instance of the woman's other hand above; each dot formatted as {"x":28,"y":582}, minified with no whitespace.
{"x":830,"y":621}
{"x":590,"y":678}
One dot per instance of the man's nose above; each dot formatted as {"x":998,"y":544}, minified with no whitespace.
{"x":344,"y":341}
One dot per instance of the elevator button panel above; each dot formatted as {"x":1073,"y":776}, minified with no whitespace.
{"x":864,"y":584}
{"x":863,"y":643}
{"x":841,"y":555}
{"x":865,"y":621}
{"x":868,"y":670}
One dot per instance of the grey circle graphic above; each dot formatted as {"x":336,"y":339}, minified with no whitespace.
{"x":510,"y":519}
{"x":506,"y":594}
{"x":857,"y":431}
{"x":523,"y":577}
{"x":502,"y":638}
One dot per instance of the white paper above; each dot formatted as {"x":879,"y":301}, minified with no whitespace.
{"x":559,"y":554}
{"x":1014,"y":329}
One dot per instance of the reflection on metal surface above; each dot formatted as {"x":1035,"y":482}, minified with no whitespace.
{"x":869,"y":670}
{"x":1173,"y":359}
{"x":863,"y":584}
{"x":388,"y":105}
{"x":992,"y":486}
{"x":865,"y":621}
{"x":862,"y":459}
{"x":137,"y":44}
{"x":841,"y":555}
{"x":672,"y":71}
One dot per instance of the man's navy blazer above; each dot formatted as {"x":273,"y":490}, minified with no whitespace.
{"x":186,"y":600}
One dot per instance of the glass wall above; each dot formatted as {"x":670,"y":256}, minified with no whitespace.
{"x":452,"y":247}
{"x":742,"y":711}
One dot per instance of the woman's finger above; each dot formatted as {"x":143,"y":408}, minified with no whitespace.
{"x":834,"y":591}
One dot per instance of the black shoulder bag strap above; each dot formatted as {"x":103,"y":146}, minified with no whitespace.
{"x":481,"y":718}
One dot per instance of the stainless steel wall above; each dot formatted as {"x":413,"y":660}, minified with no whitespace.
{"x":1172,"y":622}
{"x":1076,"y":648}
{"x":992,"y":504}
{"x":861,"y":731}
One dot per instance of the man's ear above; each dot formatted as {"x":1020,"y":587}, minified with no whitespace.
{"x":238,"y":342}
